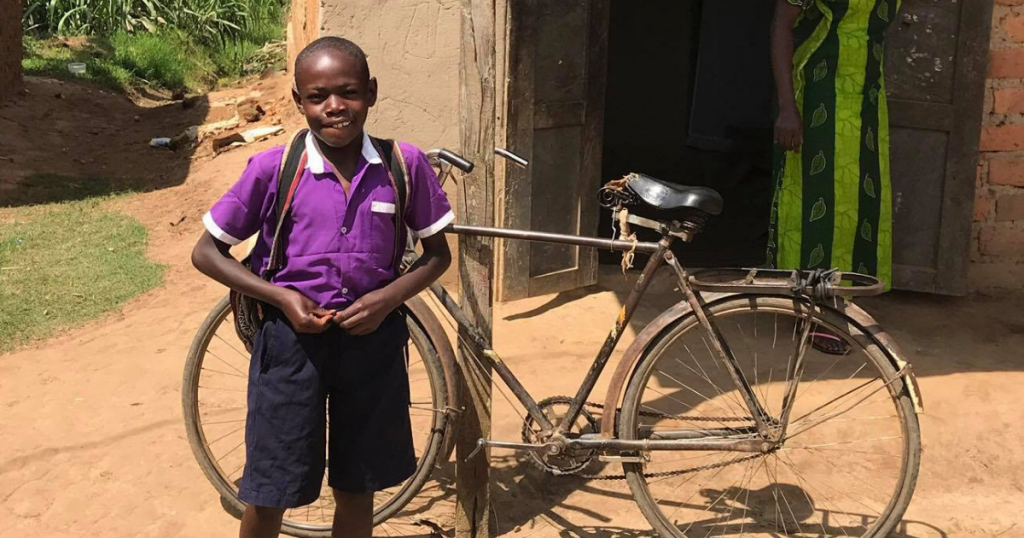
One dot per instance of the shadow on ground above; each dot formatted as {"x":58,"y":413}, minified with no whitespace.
{"x":64,"y":141}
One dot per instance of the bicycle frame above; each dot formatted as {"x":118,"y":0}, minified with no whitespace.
{"x":660,"y":255}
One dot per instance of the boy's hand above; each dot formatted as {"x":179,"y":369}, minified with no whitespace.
{"x":305,"y":315}
{"x":366,"y":314}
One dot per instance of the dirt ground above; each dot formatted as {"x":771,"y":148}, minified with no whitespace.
{"x":91,"y":430}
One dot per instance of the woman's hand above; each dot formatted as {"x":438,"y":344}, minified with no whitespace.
{"x":789,"y":130}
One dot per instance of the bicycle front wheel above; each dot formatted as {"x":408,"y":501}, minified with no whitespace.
{"x":847,"y":465}
{"x":214,"y":404}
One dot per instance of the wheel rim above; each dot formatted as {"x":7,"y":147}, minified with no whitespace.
{"x":216,"y":397}
{"x":835,"y":477}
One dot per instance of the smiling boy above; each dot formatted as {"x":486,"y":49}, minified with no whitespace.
{"x":332,"y":339}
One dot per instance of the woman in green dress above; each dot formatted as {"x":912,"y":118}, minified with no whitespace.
{"x":833,"y":205}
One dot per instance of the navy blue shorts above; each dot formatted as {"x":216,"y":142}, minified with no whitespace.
{"x":297,"y":381}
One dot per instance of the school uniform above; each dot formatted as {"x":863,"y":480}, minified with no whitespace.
{"x":337,"y":248}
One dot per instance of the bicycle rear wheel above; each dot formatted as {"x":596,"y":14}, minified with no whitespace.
{"x":849,"y":461}
{"x":214,"y":406}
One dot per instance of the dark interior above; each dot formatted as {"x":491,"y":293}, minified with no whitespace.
{"x":688,"y":100}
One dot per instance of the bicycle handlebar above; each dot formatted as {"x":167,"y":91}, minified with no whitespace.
{"x":517,"y":160}
{"x":467,"y":166}
{"x":455,"y":160}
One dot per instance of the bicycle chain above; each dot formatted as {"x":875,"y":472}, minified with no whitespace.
{"x":666,"y":474}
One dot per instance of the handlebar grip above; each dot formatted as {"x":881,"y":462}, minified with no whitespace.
{"x":455,"y":160}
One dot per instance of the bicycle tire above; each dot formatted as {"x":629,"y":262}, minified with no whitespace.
{"x":832,"y":320}
{"x":436,"y":445}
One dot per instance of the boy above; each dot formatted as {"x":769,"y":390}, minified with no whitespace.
{"x":331,"y":334}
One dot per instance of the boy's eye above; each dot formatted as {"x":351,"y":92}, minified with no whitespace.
{"x":316,"y":97}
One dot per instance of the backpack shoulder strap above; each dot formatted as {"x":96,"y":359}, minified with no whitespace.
{"x":394,"y":162}
{"x":288,"y":172}
{"x":293,"y":163}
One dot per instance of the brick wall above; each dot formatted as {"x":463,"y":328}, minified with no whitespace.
{"x":10,"y":48}
{"x":998,"y":252}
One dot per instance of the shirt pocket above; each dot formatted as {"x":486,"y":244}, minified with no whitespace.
{"x":382,"y":232}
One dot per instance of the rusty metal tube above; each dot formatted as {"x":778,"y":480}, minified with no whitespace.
{"x":645,"y":445}
{"x":561,"y":239}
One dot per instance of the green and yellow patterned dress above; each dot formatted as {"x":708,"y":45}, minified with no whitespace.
{"x":833,"y":202}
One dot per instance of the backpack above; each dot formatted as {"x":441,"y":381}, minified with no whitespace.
{"x":247,"y":310}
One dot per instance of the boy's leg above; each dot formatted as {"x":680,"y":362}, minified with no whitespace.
{"x":262,"y":522}
{"x":285,"y":426}
{"x":371,"y":445}
{"x":353,"y":515}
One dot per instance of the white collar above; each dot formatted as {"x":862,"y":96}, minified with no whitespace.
{"x":315,"y":160}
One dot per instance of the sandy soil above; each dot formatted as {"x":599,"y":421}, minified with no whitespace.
{"x":92,"y":435}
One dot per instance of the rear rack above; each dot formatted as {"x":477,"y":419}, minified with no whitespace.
{"x":820,"y":285}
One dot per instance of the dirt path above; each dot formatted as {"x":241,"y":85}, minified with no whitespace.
{"x":93,"y":443}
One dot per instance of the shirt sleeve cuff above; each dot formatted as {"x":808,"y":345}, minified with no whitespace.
{"x":445,"y":220}
{"x":217,"y":232}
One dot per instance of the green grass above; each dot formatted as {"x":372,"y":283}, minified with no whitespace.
{"x":64,"y":264}
{"x":206,"y":21}
{"x":50,"y":58}
{"x":125,"y":61}
{"x":168,"y":60}
{"x":170,"y":44}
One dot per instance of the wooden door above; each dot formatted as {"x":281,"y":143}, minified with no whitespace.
{"x":555,"y":105}
{"x":935,"y":71}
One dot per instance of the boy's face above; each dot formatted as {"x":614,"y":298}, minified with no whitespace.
{"x":333,"y":92}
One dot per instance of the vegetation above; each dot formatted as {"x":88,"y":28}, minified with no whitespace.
{"x":172,"y":44}
{"x":63,"y":264}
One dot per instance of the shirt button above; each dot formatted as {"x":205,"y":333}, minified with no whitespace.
{"x":344,"y":230}
{"x":344,"y":290}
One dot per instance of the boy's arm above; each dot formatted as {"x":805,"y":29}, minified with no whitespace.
{"x":239,"y":214}
{"x":367,"y":313}
{"x":213,"y":258}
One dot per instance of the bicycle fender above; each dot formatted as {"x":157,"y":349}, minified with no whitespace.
{"x":865,"y":325}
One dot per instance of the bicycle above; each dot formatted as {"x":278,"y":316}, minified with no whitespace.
{"x":738,"y":416}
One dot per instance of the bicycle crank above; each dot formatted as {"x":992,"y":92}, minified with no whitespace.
{"x":546,"y":448}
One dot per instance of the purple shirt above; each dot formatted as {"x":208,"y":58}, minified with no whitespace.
{"x":337,"y":248}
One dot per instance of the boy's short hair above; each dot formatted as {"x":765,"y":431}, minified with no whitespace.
{"x":337,"y":44}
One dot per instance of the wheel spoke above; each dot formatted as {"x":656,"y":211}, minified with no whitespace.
{"x":242,"y":354}
{"x":229,"y":452}
{"x":680,"y":402}
{"x":226,"y":363}
{"x":704,"y":374}
{"x":232,"y":432}
{"x":222,"y":388}
{"x":822,"y":420}
{"x":224,"y":373}
{"x":715,"y":359}
{"x":792,"y":469}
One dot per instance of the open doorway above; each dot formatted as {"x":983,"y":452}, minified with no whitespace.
{"x":688,"y":100}
{"x":600,"y":88}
